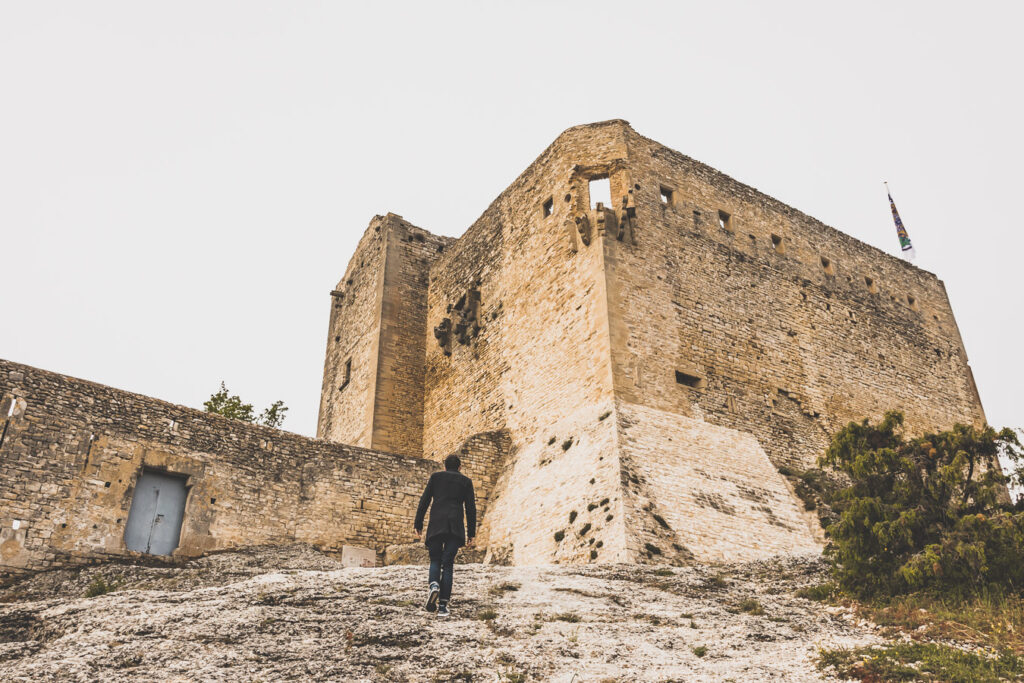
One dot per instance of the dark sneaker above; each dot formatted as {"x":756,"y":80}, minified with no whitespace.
{"x":435,"y":590}
{"x":442,"y":609}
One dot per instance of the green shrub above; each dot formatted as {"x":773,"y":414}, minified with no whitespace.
{"x":585,"y":529}
{"x":924,"y":512}
{"x":700,"y":650}
{"x":751,"y":606}
{"x":922,"y":662}
{"x":559,"y":535}
{"x":99,"y":586}
{"x":572,"y":517}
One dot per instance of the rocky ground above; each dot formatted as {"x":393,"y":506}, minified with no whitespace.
{"x":295,"y":614}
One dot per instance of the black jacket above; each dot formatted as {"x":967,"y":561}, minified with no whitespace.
{"x":450,"y":491}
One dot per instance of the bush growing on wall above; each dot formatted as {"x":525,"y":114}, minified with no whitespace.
{"x":930,"y":512}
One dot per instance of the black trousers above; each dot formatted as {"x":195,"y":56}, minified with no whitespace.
{"x":442,"y":551}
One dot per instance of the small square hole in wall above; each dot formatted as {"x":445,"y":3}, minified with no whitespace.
{"x":549,"y":207}
{"x":667,"y":196}
{"x":689,"y":380}
{"x":724,"y":220}
{"x":777,"y":244}
{"x":827,"y":266}
{"x":347,"y":376}
{"x":600,"y":190}
{"x":870,"y":283}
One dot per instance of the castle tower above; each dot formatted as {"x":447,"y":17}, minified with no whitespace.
{"x":653,"y":359}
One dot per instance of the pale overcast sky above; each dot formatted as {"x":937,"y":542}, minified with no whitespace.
{"x":182,"y":184}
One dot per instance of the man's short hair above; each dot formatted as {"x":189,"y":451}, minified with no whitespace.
{"x":452,"y":462}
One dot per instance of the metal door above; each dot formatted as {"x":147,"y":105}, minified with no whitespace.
{"x":154,"y":521}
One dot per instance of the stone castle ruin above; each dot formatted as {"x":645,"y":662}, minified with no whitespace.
{"x":622,"y":381}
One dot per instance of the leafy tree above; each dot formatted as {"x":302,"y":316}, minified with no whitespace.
{"x":223,"y":403}
{"x":929,"y":511}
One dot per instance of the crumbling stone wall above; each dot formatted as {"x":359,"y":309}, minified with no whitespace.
{"x":535,"y":363}
{"x":73,"y":450}
{"x":790,"y":328}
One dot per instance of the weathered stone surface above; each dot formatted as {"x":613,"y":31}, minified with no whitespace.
{"x":292,"y":614}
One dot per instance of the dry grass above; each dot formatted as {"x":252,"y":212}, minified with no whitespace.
{"x":994,"y":622}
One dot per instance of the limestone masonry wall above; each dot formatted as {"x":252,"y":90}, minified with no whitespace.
{"x":790,"y":327}
{"x":73,"y":451}
{"x":536,"y":360}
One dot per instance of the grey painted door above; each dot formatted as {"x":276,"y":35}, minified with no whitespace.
{"x":154,"y":521}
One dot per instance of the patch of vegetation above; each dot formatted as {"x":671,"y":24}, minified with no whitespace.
{"x":822,"y":592}
{"x":572,"y":516}
{"x":486,"y":614}
{"x":652,"y":549}
{"x":513,"y":676}
{"x":551,"y":441}
{"x":585,"y":529}
{"x":591,"y":507}
{"x":922,"y":662}
{"x":593,"y":554}
{"x":663,"y":571}
{"x":599,"y":544}
{"x":223,"y":403}
{"x":445,"y":676}
{"x":716,"y":582}
{"x":502,"y":588}
{"x":700,"y":650}
{"x":99,"y":586}
{"x":604,"y":501}
{"x":559,"y":535}
{"x":991,"y":620}
{"x":604,"y":416}
{"x":751,"y":606}
{"x":609,"y":518}
{"x":570,"y":617}
{"x":567,"y":444}
{"x":925,"y":513}
{"x":660,"y":520}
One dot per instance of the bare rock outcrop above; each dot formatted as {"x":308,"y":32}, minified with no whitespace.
{"x":295,"y":614}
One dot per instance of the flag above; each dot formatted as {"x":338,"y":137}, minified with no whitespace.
{"x":901,"y":232}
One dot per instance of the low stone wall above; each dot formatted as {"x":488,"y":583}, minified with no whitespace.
{"x":72,"y":452}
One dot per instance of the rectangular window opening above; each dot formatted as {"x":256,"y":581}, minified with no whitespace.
{"x":600,"y":192}
{"x":777,"y":244}
{"x":724,"y":220}
{"x":549,"y":207}
{"x":667,"y":196}
{"x":347,"y":376}
{"x":689,"y":380}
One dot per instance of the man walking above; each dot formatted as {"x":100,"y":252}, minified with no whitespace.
{"x":450,"y":491}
